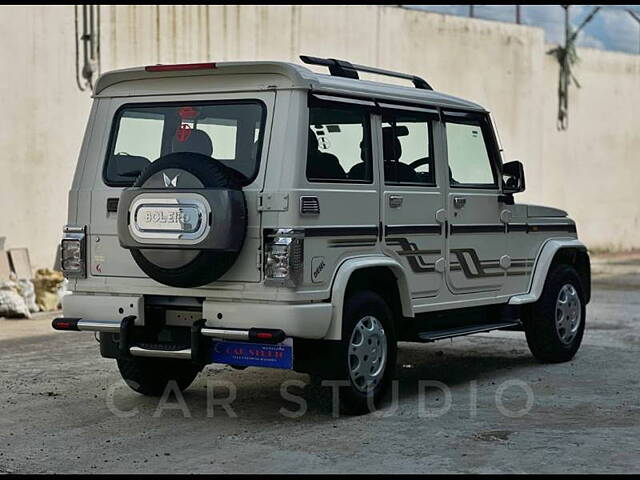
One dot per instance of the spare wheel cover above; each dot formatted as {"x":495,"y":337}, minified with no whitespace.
{"x":184,"y":219}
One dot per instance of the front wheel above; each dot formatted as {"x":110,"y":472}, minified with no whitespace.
{"x":554,"y":325}
{"x":367,"y":351}
{"x":150,"y":376}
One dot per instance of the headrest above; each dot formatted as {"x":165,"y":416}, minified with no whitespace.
{"x":363,"y":151}
{"x":312,"y":142}
{"x":391,"y":148}
{"x":197,"y":142}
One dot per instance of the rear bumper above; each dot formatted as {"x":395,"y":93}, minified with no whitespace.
{"x":308,"y":320}
{"x":103,"y":313}
{"x":198,"y":351}
{"x":121,"y":319}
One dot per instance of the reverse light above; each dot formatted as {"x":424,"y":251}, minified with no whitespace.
{"x":72,"y":252}
{"x":180,"y":67}
{"x":283,"y":258}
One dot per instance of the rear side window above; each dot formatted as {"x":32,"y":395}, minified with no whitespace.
{"x":339,"y":145}
{"x":230,"y":132}
{"x":469,"y":160}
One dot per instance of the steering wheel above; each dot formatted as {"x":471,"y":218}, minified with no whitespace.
{"x":420,"y":162}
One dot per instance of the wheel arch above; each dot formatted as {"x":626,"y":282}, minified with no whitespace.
{"x":552,"y":253}
{"x":382,"y":275}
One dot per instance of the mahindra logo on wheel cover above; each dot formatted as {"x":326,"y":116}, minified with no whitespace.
{"x":170,"y":182}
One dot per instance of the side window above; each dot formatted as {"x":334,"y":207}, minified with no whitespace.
{"x":339,"y":145}
{"x":469,"y":161}
{"x":407,"y":149}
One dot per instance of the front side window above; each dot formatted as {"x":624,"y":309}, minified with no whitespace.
{"x":228,"y":132}
{"x":339,"y":145}
{"x":407,"y":152}
{"x":469,"y":160}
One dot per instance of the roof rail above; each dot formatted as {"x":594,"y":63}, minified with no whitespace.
{"x":342,"y":68}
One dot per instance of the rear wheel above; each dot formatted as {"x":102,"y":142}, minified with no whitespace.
{"x":150,"y":376}
{"x":366,"y":353}
{"x":554,"y":325}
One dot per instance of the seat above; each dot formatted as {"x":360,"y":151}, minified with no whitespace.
{"x":197,"y":142}
{"x":394,"y":169}
{"x":359,"y":170}
{"x":321,"y":165}
{"x":123,"y":167}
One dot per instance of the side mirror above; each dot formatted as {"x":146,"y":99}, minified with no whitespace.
{"x":513,"y":177}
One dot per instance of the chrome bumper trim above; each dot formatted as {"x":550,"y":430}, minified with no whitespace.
{"x":225,"y":333}
{"x":143,"y":352}
{"x":97,"y":326}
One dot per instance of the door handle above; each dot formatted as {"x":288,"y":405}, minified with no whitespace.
{"x":459,"y":202}
{"x":395,"y":201}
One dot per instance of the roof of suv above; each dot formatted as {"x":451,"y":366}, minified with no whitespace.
{"x":298,"y":76}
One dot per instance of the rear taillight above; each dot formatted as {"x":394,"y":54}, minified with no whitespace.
{"x":73,"y":252}
{"x":283,"y":257}
{"x":179,"y":67}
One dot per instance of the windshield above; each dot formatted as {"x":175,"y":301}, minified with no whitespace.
{"x":230,"y":132}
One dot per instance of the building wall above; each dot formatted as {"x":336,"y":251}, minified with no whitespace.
{"x":590,"y":170}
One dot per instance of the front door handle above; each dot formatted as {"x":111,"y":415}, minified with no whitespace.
{"x":459,"y":202}
{"x":395,"y":201}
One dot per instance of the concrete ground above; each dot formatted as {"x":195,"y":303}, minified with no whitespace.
{"x":63,"y":408}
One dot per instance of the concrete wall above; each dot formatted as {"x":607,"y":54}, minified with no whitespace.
{"x":589,"y":170}
{"x":593,"y":169}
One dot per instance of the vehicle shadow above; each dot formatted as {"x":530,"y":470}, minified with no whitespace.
{"x":262,"y":395}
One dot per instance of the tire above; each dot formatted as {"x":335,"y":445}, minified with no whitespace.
{"x":150,"y":376}
{"x":202,"y":266}
{"x":366,"y":317}
{"x":554,"y":332}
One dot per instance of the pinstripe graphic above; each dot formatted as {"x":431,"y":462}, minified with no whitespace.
{"x":353,"y":242}
{"x":414,"y":255}
{"x":477,"y":268}
{"x":477,"y":264}
{"x":480,"y":266}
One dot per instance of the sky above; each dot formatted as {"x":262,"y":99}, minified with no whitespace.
{"x":612,"y":28}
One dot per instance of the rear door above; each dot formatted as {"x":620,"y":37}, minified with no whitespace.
{"x":477,"y":234}
{"x":144,"y":129}
{"x":411,"y":197}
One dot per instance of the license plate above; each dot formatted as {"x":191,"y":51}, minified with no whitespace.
{"x":279,"y":355}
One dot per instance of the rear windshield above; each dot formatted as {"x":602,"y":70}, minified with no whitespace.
{"x":230,"y":132}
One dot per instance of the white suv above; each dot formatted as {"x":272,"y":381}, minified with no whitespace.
{"x":263,"y":214}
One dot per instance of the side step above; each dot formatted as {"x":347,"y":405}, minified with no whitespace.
{"x":459,"y":332}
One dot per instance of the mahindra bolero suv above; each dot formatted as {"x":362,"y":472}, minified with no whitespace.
{"x":263,"y":214}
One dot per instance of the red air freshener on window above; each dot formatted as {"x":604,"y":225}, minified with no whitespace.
{"x":187,"y":112}
{"x":183,"y":132}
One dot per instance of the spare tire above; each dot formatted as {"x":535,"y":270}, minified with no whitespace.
{"x":184,"y":220}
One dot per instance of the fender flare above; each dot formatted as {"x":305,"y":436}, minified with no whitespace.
{"x":541,"y":269}
{"x":341,"y":280}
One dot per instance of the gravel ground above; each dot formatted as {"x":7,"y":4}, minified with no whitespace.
{"x":500,"y":412}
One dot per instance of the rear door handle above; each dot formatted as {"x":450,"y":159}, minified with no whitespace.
{"x":395,"y":201}
{"x":459,"y":202}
